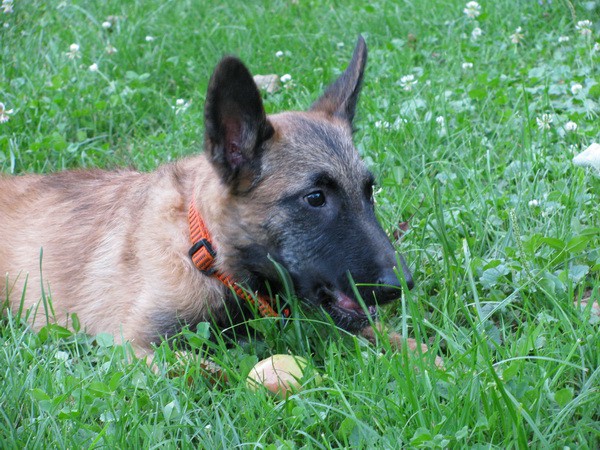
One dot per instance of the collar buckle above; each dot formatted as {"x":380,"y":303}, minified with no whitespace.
{"x":203,"y":255}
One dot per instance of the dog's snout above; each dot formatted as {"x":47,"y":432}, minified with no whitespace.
{"x":388,"y":278}
{"x":389,"y":284}
{"x":388,"y":287}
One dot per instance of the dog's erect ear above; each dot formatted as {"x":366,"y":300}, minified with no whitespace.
{"x":340,"y":98}
{"x":235,"y":123}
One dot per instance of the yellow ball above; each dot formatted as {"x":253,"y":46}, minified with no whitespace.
{"x":280,"y":374}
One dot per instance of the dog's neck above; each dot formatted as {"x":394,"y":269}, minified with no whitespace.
{"x":203,"y":254}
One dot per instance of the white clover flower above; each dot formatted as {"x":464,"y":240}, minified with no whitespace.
{"x":517,"y":36}
{"x":544,"y":122}
{"x":562,"y":39}
{"x":441,"y":121}
{"x":106,"y":24}
{"x":597,"y":47}
{"x":408,"y":82}
{"x":109,"y":49}
{"x":534,"y":203}
{"x":61,"y":356}
{"x":590,"y":157}
{"x":399,"y":122}
{"x":286,"y":78}
{"x":279,"y":54}
{"x":181,"y":106}
{"x":570,"y":126}
{"x":73,"y":52}
{"x":467,"y":65}
{"x":472,"y":10}
{"x":382,"y":124}
{"x":7,"y":6}
{"x":576,"y":88}
{"x":584,"y":27}
{"x":4,"y":113}
{"x":149,"y":38}
{"x":476,"y":33}
{"x":93,"y":68}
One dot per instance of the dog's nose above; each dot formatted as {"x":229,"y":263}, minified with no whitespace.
{"x":389,"y":286}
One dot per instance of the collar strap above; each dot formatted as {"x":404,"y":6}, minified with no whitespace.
{"x":203,"y":254}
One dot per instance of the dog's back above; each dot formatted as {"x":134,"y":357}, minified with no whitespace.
{"x":70,"y":227}
{"x":289,"y":188}
{"x":106,"y":236}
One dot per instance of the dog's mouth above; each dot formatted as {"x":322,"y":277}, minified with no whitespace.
{"x":346,"y":312}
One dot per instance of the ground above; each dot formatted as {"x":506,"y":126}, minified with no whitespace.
{"x":470,"y":117}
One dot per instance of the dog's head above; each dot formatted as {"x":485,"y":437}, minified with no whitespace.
{"x":298,"y":193}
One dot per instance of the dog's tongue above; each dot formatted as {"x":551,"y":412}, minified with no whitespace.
{"x":348,"y":303}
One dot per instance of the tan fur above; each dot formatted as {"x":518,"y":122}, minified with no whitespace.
{"x":115,"y":243}
{"x":112,"y":247}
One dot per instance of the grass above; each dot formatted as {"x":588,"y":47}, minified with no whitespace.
{"x":504,"y":232}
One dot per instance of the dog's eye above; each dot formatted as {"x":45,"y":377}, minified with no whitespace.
{"x":315,"y":199}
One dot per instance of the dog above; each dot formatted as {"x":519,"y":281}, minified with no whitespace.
{"x":140,"y":255}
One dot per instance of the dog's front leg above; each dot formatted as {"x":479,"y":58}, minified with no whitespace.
{"x":371,"y":333}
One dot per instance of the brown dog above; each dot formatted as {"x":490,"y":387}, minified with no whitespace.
{"x":114,"y":247}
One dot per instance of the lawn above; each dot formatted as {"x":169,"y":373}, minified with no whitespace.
{"x":470,"y":118}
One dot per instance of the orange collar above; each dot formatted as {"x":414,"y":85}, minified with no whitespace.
{"x":203,"y":254}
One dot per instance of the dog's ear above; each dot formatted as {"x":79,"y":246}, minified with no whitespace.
{"x":340,"y":98}
{"x":236,"y":125}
